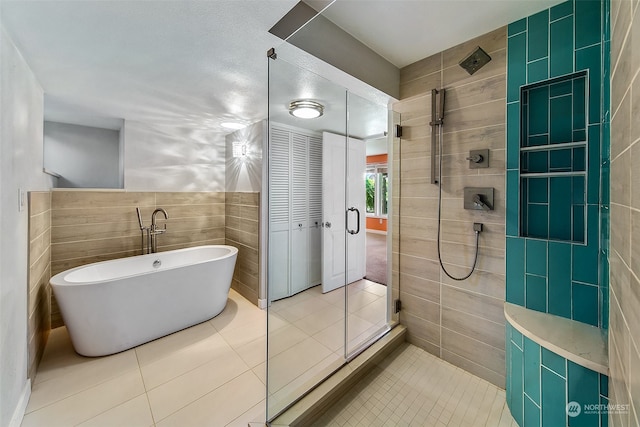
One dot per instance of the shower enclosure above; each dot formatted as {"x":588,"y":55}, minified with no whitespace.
{"x":322,"y":311}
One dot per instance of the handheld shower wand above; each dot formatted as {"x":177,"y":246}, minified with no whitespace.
{"x":437,"y":115}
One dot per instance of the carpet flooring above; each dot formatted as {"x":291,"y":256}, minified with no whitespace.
{"x":377,"y":258}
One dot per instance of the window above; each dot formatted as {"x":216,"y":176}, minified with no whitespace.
{"x":377,"y":187}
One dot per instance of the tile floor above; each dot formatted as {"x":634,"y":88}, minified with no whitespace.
{"x":213,"y":374}
{"x":308,"y":335}
{"x":194,"y":377}
{"x":414,"y":388}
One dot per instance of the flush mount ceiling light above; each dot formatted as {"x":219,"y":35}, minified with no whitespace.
{"x":233,"y":125}
{"x":305,"y":109}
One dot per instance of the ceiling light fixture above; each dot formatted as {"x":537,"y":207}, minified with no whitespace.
{"x":305,"y":109}
{"x":233,"y":125}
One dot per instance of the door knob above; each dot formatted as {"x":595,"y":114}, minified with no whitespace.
{"x":326,"y":224}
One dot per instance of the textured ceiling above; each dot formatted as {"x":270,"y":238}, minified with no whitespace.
{"x":405,"y":31}
{"x":196,"y":64}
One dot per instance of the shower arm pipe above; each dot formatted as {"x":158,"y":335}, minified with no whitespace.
{"x":437,"y":115}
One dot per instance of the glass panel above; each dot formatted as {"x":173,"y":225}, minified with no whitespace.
{"x":366,"y":240}
{"x":305,"y":326}
{"x":311,"y":257}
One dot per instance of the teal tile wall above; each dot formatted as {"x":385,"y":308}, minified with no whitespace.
{"x":561,"y":266}
{"x":540,"y":384}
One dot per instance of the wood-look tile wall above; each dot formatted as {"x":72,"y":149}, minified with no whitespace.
{"x":39,"y":297}
{"x":242,"y":231}
{"x":459,"y":321}
{"x":624,"y":253}
{"x":91,"y":226}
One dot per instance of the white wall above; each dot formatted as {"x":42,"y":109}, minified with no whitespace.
{"x":161,"y":158}
{"x":21,"y":161}
{"x":245,"y":173}
{"x":84,"y":156}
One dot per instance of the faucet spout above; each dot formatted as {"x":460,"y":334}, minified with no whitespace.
{"x":155,"y":230}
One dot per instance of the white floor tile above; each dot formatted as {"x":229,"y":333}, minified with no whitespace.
{"x":221,"y":406}
{"x":181,"y":391}
{"x":89,"y":403}
{"x":133,"y":413}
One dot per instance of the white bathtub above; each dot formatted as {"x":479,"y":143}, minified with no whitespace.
{"x":115,"y":305}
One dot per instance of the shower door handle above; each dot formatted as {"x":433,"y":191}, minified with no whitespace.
{"x":357,"y":211}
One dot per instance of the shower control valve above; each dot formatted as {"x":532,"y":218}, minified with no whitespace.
{"x":478,"y":159}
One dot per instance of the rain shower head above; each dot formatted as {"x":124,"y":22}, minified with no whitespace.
{"x":475,"y":60}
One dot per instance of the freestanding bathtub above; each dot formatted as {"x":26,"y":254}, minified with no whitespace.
{"x":115,"y":305}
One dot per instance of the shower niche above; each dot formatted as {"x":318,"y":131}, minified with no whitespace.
{"x":553,"y":158}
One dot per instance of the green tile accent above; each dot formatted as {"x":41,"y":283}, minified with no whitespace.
{"x":538,"y":40}
{"x":516,"y":385}
{"x":554,"y":400}
{"x":561,"y":121}
{"x":585,"y":303}
{"x":579,"y":135}
{"x":562,"y":88}
{"x":517,"y":338}
{"x":538,"y":116}
{"x":536,"y":161}
{"x":560,"y":214}
{"x":604,"y":416}
{"x":538,"y":70}
{"x":578,"y":223}
{"x":533,"y":141}
{"x":560,"y":280}
{"x":531,"y":413}
{"x":536,"y":257}
{"x":532,"y":370}
{"x":579,"y":159}
{"x":582,"y":385}
{"x":604,"y":385}
{"x":588,"y":22}
{"x":589,"y":59}
{"x":512,"y":219}
{"x":561,"y":10}
{"x":538,"y":190}
{"x":513,"y":136}
{"x":593,"y":178}
{"x":517,"y":27}
{"x":538,"y":221}
{"x":585,"y":258}
{"x":560,"y":160}
{"x":579,"y":99}
{"x":536,"y":289}
{"x":516,"y":66}
{"x":578,"y":194}
{"x":515,"y":270}
{"x":561,"y":43}
{"x":555,"y":362}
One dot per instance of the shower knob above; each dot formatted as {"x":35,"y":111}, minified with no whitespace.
{"x":477,"y":158}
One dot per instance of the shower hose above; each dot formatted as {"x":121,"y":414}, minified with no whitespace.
{"x":475,"y":259}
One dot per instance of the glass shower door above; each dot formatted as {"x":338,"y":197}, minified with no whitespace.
{"x":321,"y":308}
{"x":306,"y":235}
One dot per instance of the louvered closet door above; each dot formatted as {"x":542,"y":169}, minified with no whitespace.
{"x":299,"y":254}
{"x":279,"y":217}
{"x":315,"y":210}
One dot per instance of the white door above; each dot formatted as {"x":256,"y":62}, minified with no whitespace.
{"x":356,"y":201}
{"x":337,"y":208}
{"x":333,"y":211}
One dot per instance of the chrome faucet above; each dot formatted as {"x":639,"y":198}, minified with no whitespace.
{"x":154,"y":231}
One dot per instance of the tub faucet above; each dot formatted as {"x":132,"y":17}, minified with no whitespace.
{"x":155,"y":230}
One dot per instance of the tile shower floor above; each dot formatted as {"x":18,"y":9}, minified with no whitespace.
{"x":213,"y":374}
{"x":414,"y":388}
